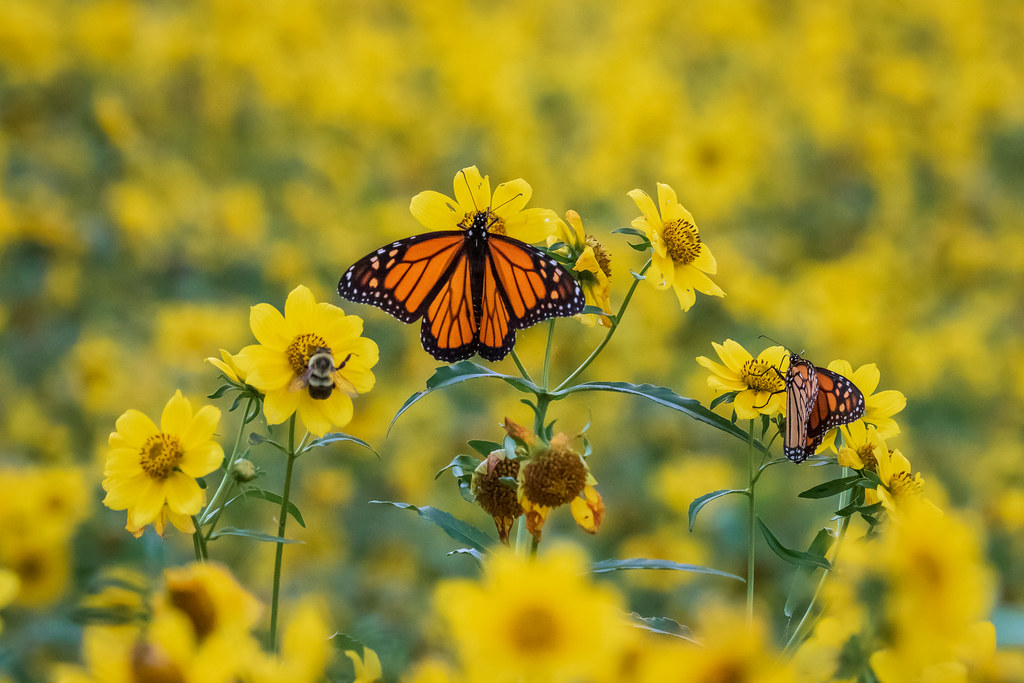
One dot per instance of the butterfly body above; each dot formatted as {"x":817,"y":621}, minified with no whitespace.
{"x":817,"y":400}
{"x":473,"y":288}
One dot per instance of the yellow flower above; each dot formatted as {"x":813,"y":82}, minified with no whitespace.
{"x":367,"y":667}
{"x":592,"y":266}
{"x":901,"y":487}
{"x":504,"y":213}
{"x":229,"y":366}
{"x":151,"y":471}
{"x":680,"y":259}
{"x":284,"y":363}
{"x":305,"y":649}
{"x":8,"y":590}
{"x":534,"y":619}
{"x":760,"y":384}
{"x":878,"y":407}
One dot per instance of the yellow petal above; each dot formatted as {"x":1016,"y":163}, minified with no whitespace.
{"x":121,"y":494}
{"x":669,"y":205}
{"x":122,"y":463}
{"x":134,"y":428}
{"x":646,"y":205}
{"x":281,"y":404}
{"x":341,"y":331}
{"x":177,"y":415}
{"x":532,"y":225}
{"x":268,"y":326}
{"x":183,"y":494}
{"x":360,"y":376}
{"x":705,"y":261}
{"x":662,"y":273}
{"x":684,"y":294}
{"x":202,"y":427}
{"x":201,"y":460}
{"x":298,"y":311}
{"x":265,"y":368}
{"x":702,"y":283}
{"x":312,"y":415}
{"x":182,"y":523}
{"x":472,"y":191}
{"x":866,"y":377}
{"x":435,"y":211}
{"x":510,"y":198}
{"x":150,"y":498}
{"x":733,"y":353}
{"x":337,"y":409}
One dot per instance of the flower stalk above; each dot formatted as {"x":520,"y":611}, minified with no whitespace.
{"x":281,"y":526}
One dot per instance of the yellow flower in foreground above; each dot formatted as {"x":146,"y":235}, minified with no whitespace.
{"x":8,"y":590}
{"x":311,"y":360}
{"x":592,"y":266}
{"x":504,"y":213}
{"x":367,"y":667}
{"x":680,"y":259}
{"x":306,"y":649}
{"x":533,"y":619}
{"x":151,"y":471}
{"x":760,"y":382}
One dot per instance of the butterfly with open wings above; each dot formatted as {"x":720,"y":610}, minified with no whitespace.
{"x":474,"y":286}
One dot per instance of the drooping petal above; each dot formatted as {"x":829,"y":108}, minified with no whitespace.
{"x":183,"y":494}
{"x":472,"y":191}
{"x":177,"y":415}
{"x":202,"y":427}
{"x":182,"y":523}
{"x":150,"y":498}
{"x":511,"y":197}
{"x":436,"y":211}
{"x":298,"y":311}
{"x":202,"y":459}
{"x":268,"y":326}
{"x":685,"y":294}
{"x":702,"y":283}
{"x":705,"y":261}
{"x":646,"y":205}
{"x":662,"y":273}
{"x":281,"y":404}
{"x":744,"y":405}
{"x":134,"y":427}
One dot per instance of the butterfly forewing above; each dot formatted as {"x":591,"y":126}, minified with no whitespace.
{"x":817,"y":400}
{"x":801,"y":389}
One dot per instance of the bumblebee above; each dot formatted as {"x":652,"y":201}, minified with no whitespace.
{"x":322,"y":376}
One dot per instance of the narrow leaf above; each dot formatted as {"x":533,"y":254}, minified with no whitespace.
{"x":343,"y":641}
{"x":605,"y":566}
{"x":464,"y":462}
{"x":447,"y":375}
{"x":472,"y":552}
{"x":484,"y":448}
{"x":255,"y":535}
{"x":727,"y":397}
{"x":668,"y":398}
{"x":700,"y":502}
{"x":663,"y":626}
{"x":856,"y":507}
{"x":802,"y":587}
{"x":794,"y":557}
{"x":831,"y":488}
{"x":273,"y":498}
{"x":340,"y":437}
{"x":455,"y":528}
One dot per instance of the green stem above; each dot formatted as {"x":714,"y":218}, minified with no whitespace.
{"x":522,"y":368}
{"x":616,"y":319}
{"x":216,"y":506}
{"x":282,"y":522}
{"x":547,"y":356}
{"x":752,"y":480}
{"x":198,"y":542}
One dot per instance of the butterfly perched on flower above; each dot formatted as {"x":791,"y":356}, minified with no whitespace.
{"x":471,"y":282}
{"x":817,"y":400}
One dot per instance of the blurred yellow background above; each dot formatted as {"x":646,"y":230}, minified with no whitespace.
{"x":857,"y":168}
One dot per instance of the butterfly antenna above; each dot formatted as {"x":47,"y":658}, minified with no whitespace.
{"x":775,"y":341}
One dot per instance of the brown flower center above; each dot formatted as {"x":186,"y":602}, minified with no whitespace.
{"x":150,"y":663}
{"x":867,"y":456}
{"x":903,"y":484}
{"x":302,"y":348}
{"x":682,"y":241}
{"x":533,"y":629}
{"x":160,"y":455}
{"x":484,"y":221}
{"x":762,"y":376}
{"x":554,"y":477}
{"x":604,"y":259}
{"x":192,"y":598}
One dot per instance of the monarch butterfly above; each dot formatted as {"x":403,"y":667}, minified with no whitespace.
{"x":817,"y":400}
{"x":472,"y":287}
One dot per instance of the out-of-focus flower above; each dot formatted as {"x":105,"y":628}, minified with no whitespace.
{"x":306,"y":649}
{"x":367,"y":667}
{"x":312,"y":360}
{"x":533,"y":619}
{"x":592,"y":266}
{"x":8,"y":590}
{"x":505,"y":212}
{"x":151,"y":471}
{"x":901,"y":486}
{"x":760,"y":383}
{"x":680,"y":258}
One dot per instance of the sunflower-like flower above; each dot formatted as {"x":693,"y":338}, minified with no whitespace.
{"x":681,"y":260}
{"x":311,"y":360}
{"x":878,"y":407}
{"x":759,"y":383}
{"x":865,"y":448}
{"x":592,"y":266}
{"x":151,"y":471}
{"x":505,"y":211}
{"x":555,"y":476}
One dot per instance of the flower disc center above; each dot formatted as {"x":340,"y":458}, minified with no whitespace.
{"x":302,"y":349}
{"x":604,"y":259}
{"x":160,"y":455}
{"x":762,"y":377}
{"x":484,"y":221}
{"x":681,"y":241}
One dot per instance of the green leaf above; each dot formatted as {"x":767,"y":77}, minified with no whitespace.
{"x":595,"y":310}
{"x":255,"y":535}
{"x":802,"y":587}
{"x":873,"y":480}
{"x":700,"y":502}
{"x":630,"y":231}
{"x":484,"y":448}
{"x":343,"y":641}
{"x":727,"y":397}
{"x":794,"y":557}
{"x":273,"y":498}
{"x":339,"y":437}
{"x":466,"y":463}
{"x":831,"y":488}
{"x":455,"y":528}
{"x":220,"y":391}
{"x":857,"y":507}
{"x":605,"y":566}
{"x":666,"y":397}
{"x":447,"y":375}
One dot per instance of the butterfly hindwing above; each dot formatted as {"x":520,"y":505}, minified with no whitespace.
{"x":801,"y":390}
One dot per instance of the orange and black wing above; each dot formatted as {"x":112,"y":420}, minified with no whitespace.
{"x":801,"y":394}
{"x":838,"y":402}
{"x":521,"y":285}
{"x":405,"y":277}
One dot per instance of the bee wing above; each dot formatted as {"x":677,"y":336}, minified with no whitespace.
{"x":343,"y":384}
